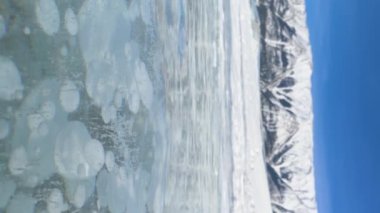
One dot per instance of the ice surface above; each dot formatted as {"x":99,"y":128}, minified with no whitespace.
{"x":3,"y":27}
{"x":71,"y":22}
{"x":21,"y":203}
{"x":26,"y":30}
{"x":113,"y":189}
{"x":4,"y":128}
{"x":48,"y":16}
{"x":10,"y":83}
{"x":47,"y":110}
{"x":8,"y":187}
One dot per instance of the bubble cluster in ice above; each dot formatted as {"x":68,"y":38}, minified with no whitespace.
{"x":10,"y":82}
{"x":113,"y":190}
{"x":26,"y":30}
{"x":18,"y":161}
{"x":79,"y":196}
{"x":48,"y":16}
{"x":110,"y":161}
{"x":76,"y":155}
{"x":115,"y":72}
{"x":71,"y":22}
{"x":69,"y":96}
{"x":144,"y":84}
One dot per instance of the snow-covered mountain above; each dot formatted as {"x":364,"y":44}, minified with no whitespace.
{"x":285,"y":71}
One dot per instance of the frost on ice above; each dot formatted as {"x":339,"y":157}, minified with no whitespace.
{"x":10,"y":82}
{"x":48,"y":16}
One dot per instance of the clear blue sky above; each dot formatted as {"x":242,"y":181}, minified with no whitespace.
{"x":345,"y":38}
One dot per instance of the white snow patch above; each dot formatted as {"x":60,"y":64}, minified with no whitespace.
{"x":18,"y":161}
{"x":48,"y":16}
{"x":10,"y":82}
{"x":69,"y":96}
{"x":250,"y":186}
{"x":4,"y":128}
{"x":71,"y":22}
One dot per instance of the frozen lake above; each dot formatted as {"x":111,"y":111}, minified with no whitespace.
{"x":132,"y":106}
